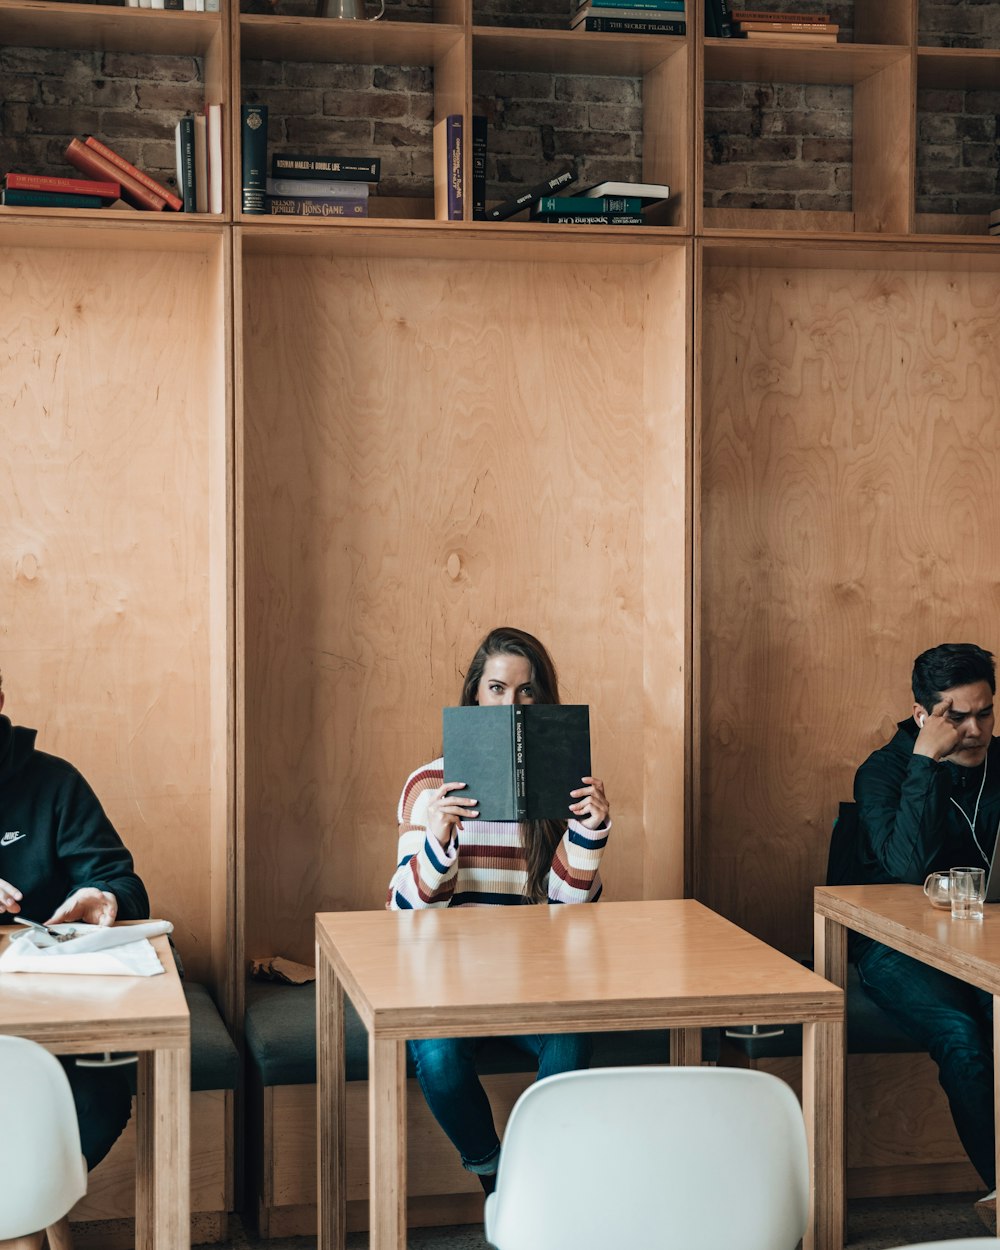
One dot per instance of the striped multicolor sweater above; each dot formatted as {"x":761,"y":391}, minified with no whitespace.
{"x":484,"y":865}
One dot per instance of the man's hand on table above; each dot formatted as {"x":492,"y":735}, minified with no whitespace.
{"x":88,"y":904}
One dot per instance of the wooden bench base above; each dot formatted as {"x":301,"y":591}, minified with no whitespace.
{"x":104,"y":1219}
{"x":282,"y":1149}
{"x":901,"y":1139}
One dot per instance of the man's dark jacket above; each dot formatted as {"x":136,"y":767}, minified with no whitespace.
{"x":908,"y":824}
{"x":54,"y":835}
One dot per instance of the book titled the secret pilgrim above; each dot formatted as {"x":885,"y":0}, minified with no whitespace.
{"x":518,"y":763}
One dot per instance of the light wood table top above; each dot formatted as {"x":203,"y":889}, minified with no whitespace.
{"x":477,"y":972}
{"x":602,"y":966}
{"x":902,"y":917}
{"x":76,"y":1014}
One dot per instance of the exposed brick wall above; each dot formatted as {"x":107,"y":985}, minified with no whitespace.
{"x":766,"y":145}
{"x":131,"y":102}
{"x":788,"y":146}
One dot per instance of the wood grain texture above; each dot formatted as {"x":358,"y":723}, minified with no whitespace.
{"x":900,"y":1137}
{"x":431,"y":448}
{"x":433,"y":1166}
{"x":565,"y":969}
{"x":850,"y":491}
{"x":901,"y":917}
{"x":112,"y":546}
{"x":111,"y":1186}
{"x":568,"y":969}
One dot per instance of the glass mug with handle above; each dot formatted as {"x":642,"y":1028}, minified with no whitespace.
{"x":937,"y":887}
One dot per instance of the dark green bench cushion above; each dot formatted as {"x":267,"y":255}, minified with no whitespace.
{"x":280,"y":1030}
{"x":215,"y":1061}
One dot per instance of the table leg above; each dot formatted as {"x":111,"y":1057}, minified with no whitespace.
{"x":387,"y":1142}
{"x":163,"y":1150}
{"x":830,"y":950}
{"x":331,"y":1117}
{"x":823,"y":1107}
{"x":996,"y":1086}
{"x":685,"y":1047}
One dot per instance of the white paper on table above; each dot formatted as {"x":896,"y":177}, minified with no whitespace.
{"x":96,"y":950}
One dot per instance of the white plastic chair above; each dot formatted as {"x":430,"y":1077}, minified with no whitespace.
{"x":693,"y":1158}
{"x":44,"y":1172}
{"x":963,"y":1243}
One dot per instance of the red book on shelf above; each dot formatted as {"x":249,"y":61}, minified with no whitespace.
{"x":171,"y":200}
{"x":90,"y":162}
{"x":72,"y":186}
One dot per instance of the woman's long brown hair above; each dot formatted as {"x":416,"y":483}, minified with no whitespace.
{"x":539,"y":838}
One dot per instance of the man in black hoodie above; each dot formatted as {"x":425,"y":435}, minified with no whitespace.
{"x":927,"y":801}
{"x":61,"y":860}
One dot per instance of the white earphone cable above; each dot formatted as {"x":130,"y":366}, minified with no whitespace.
{"x":975,"y":811}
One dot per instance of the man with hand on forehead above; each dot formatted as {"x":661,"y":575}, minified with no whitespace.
{"x":61,"y":859}
{"x":928,"y":801}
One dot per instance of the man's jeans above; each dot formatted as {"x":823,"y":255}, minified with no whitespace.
{"x":447,"y":1074}
{"x":953,"y":1022}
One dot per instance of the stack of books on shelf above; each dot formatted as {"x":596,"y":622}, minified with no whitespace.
{"x":108,"y":180}
{"x":603,"y":204}
{"x":96,"y":160}
{"x":45,"y":191}
{"x":198,"y":139}
{"x":631,"y":17}
{"x":189,"y":6}
{"x":320,"y":186}
{"x":111,"y":180}
{"x":995,"y":222}
{"x":799,"y":28}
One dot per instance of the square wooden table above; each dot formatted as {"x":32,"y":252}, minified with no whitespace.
{"x":75,"y":1015}
{"x":901,"y":916}
{"x":478,"y":972}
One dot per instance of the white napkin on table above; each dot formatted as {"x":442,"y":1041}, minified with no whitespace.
{"x":121,"y":950}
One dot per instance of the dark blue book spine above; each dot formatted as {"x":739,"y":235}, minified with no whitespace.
{"x":49,"y":199}
{"x":254,"y":154}
{"x":509,"y":207}
{"x":632,"y":26}
{"x":185,"y":162}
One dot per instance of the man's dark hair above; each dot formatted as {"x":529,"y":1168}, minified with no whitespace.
{"x":949,"y":665}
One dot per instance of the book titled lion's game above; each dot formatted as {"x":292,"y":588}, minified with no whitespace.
{"x":518,"y":763}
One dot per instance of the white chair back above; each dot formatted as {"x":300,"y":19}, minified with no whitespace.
{"x":963,"y":1243}
{"x":658,"y":1157}
{"x":44,"y":1173}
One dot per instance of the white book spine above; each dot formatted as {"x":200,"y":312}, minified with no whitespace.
{"x":319,"y":187}
{"x":213,"y":115}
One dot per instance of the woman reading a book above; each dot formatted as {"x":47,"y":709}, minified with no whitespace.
{"x":449,"y":858}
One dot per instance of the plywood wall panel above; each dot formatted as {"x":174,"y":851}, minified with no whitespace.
{"x":107,"y":490}
{"x":850,"y":507}
{"x":431,"y":448}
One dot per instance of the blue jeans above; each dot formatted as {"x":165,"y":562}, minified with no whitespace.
{"x":953,"y":1022}
{"x":103,"y":1100}
{"x":446,"y":1071}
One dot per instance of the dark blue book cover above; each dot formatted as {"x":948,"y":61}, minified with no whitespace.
{"x":518,"y":763}
{"x":254,"y":157}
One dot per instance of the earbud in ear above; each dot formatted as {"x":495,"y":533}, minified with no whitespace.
{"x":920,"y":720}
